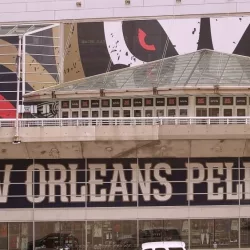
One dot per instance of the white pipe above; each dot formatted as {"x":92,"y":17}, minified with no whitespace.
{"x":18,"y":84}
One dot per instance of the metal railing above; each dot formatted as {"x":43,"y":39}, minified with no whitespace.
{"x":116,"y":121}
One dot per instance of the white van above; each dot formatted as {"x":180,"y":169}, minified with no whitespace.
{"x":164,"y":245}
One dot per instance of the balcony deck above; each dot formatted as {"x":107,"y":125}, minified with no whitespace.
{"x":126,"y":137}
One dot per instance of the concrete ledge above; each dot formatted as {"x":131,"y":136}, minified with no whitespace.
{"x":127,"y":142}
{"x":132,"y":132}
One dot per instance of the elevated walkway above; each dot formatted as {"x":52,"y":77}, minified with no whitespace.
{"x":126,"y":137}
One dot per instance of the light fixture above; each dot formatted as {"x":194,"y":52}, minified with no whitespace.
{"x":127,"y":2}
{"x":53,"y":95}
{"x":16,"y":140}
{"x":155,"y":91}
{"x":102,"y":94}
{"x":78,"y":4}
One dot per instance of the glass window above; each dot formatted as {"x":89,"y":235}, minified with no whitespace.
{"x":214,"y":112}
{"x":56,"y":235}
{"x":201,"y":112}
{"x":75,"y":114}
{"x":171,"y":112}
{"x":159,"y":230}
{"x":226,"y":232}
{"x":20,"y":234}
{"x":3,"y":236}
{"x":85,"y":114}
{"x":65,"y":114}
{"x":202,"y":233}
{"x":148,"y":113}
{"x":105,"y":113}
{"x":228,"y":112}
{"x":160,"y":113}
{"x":183,"y":112}
{"x":111,"y":234}
{"x":241,"y":112}
{"x":126,"y":113}
{"x":137,"y":113}
{"x":116,"y":113}
{"x":245,"y":232}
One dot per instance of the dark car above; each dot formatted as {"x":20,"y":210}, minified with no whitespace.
{"x":60,"y":241}
{"x":159,"y":234}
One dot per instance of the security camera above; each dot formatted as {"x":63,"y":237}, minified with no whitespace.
{"x":16,"y":140}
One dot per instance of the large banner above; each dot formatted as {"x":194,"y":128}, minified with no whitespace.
{"x":124,"y":182}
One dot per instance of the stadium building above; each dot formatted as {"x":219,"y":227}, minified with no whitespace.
{"x":130,"y":134}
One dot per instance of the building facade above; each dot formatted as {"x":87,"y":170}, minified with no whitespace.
{"x":158,"y":150}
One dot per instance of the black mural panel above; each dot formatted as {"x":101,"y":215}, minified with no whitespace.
{"x":146,"y":40}
{"x":116,"y":182}
{"x":93,"y":49}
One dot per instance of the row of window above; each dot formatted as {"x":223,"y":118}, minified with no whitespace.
{"x":125,"y":113}
{"x":197,"y":234}
{"x":117,"y":103}
{"x":151,"y":102}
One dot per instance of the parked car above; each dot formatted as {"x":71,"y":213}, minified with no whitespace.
{"x":59,"y":241}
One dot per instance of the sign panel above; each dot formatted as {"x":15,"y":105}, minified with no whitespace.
{"x":65,"y":104}
{"x":126,"y":102}
{"x":241,"y":100}
{"x":183,"y":101}
{"x":85,"y":103}
{"x":75,"y":104}
{"x":228,"y":100}
{"x":105,"y":103}
{"x":148,"y":102}
{"x":95,"y":103}
{"x":116,"y":103}
{"x":137,"y":102}
{"x":201,"y":101}
{"x":160,"y":101}
{"x":214,"y":101}
{"x":124,"y":182}
{"x":171,"y":101}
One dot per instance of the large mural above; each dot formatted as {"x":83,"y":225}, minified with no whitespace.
{"x":95,"y":48}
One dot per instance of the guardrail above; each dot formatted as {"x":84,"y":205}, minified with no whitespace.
{"x":116,"y":121}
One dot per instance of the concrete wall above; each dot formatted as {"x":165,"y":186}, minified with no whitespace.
{"x":126,"y":142}
{"x":54,"y":10}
